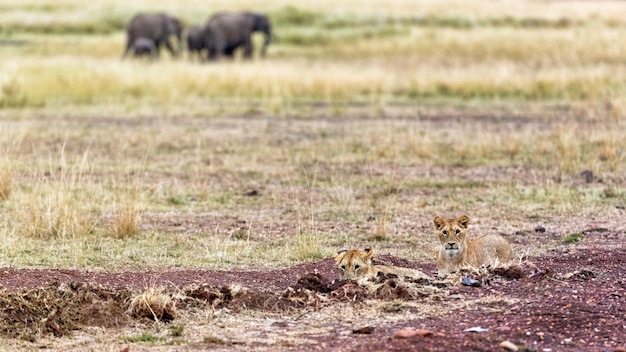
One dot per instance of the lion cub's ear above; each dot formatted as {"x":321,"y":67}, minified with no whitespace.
{"x":340,"y":254}
{"x":463,"y":221}
{"x":439,"y":222}
{"x":368,"y":254}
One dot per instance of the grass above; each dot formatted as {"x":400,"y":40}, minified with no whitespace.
{"x":155,"y":304}
{"x":109,"y":208}
{"x":573,"y":238}
{"x":143,"y":337}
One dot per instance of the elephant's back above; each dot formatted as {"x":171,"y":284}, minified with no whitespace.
{"x":148,"y":25}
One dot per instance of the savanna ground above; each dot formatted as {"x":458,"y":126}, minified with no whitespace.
{"x":179,"y":205}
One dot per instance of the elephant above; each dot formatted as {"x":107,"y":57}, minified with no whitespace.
{"x":225,"y":32}
{"x":195,"y":41}
{"x":143,"y":46}
{"x":155,"y":26}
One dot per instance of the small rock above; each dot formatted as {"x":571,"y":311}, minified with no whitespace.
{"x":566,"y":341}
{"x":366,"y":330}
{"x":587,"y":175}
{"x":476,"y":329}
{"x":540,"y":229}
{"x":620,"y":349}
{"x":406,"y":333}
{"x":125,"y":349}
{"x":252,"y":193}
{"x":468,"y":281}
{"x":509,"y":345}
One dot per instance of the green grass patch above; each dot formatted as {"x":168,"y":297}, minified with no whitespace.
{"x":143,"y":337}
{"x":177,"y":330}
{"x":573,"y":238}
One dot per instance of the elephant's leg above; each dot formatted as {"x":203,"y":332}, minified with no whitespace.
{"x":230,"y":52}
{"x":157,"y":48}
{"x":248,"y":48}
{"x":211,"y":55}
{"x":169,"y":47}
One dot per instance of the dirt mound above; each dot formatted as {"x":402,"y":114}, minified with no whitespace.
{"x":58,"y":309}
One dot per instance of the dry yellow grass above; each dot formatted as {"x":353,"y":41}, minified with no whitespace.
{"x":435,"y":55}
{"x":154,"y":303}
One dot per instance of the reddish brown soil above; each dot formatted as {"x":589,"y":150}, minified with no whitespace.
{"x":574,"y":301}
{"x":582,"y":312}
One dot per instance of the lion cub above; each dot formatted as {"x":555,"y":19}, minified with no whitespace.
{"x":458,"y":250}
{"x":354,"y":263}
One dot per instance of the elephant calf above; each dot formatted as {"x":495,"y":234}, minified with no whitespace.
{"x":143,"y":46}
{"x":196,"y":42}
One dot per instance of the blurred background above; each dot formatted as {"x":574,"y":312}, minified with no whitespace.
{"x":67,"y":54}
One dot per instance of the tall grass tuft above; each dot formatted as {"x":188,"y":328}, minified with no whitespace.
{"x":60,"y":206}
{"x":5,"y":184}
{"x":57,"y":212}
{"x":127,"y":219}
{"x":306,"y":246}
{"x":155,"y":304}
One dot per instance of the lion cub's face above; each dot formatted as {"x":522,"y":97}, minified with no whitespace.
{"x":354,"y":263}
{"x":451,"y":234}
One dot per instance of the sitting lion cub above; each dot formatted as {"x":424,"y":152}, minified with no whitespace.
{"x":458,"y":250}
{"x":354,"y":263}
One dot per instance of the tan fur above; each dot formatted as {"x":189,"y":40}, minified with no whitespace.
{"x":458,"y":250}
{"x":354,"y":264}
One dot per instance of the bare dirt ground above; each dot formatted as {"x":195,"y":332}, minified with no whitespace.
{"x":571,"y":299}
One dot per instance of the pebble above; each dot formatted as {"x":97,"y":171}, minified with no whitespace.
{"x":476,"y":329}
{"x":619,"y":349}
{"x":587,"y":175}
{"x":509,"y":345}
{"x":366,"y":330}
{"x":406,"y":333}
{"x":468,"y":281}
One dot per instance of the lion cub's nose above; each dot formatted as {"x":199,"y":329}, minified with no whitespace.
{"x":450,"y":244}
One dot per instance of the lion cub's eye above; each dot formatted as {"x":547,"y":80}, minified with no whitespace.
{"x":458,"y":232}
{"x":356,"y":267}
{"x":445,"y":233}
{"x":343,"y":267}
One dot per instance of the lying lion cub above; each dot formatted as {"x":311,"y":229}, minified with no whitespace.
{"x":458,"y":250}
{"x":354,"y":263}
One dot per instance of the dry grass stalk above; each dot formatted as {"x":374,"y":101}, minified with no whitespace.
{"x":5,"y":184}
{"x":127,"y":220}
{"x":155,"y":304}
